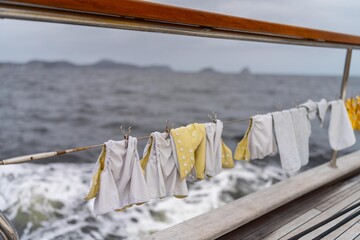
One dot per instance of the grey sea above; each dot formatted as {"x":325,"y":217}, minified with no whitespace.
{"x":55,"y":106}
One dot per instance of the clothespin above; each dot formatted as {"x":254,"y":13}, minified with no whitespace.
{"x":168,"y":128}
{"x":126,"y":135}
{"x":213,"y":117}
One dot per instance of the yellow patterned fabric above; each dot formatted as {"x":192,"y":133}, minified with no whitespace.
{"x":357,"y":125}
{"x":227,"y":156}
{"x":353,"y":109}
{"x":190,"y":144}
{"x":95,"y":182}
{"x":242,"y":151}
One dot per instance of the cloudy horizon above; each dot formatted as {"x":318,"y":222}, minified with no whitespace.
{"x":24,"y":41}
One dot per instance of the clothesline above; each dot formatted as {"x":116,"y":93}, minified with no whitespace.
{"x":37,"y":156}
{"x":196,"y":152}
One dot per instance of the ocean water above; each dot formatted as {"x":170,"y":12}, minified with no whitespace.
{"x":56,"y":106}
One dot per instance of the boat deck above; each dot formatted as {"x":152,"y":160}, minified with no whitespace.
{"x":306,"y":211}
{"x":283,"y":209}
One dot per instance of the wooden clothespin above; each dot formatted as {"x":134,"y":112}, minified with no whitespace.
{"x":126,"y":135}
{"x":213,"y":117}
{"x":168,"y":128}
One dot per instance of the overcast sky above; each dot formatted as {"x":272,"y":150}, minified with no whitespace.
{"x":21,"y":41}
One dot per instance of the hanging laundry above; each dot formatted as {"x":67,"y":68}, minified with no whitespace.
{"x":341,"y":133}
{"x":322,"y":106}
{"x":214,"y":153}
{"x":302,"y":130}
{"x":261,"y":138}
{"x":312,"y":108}
{"x":95,"y":181}
{"x":353,"y":109}
{"x":189,"y":144}
{"x":227,"y":156}
{"x":118,"y":181}
{"x":357,"y":113}
{"x":242,"y":151}
{"x":286,"y":140}
{"x":161,"y":174}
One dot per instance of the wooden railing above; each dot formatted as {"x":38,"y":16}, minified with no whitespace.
{"x":175,"y":17}
{"x":154,"y":17}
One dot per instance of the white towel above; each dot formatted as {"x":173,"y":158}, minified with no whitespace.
{"x":213,"y":164}
{"x":285,"y":136}
{"x":312,"y":108}
{"x":322,"y":106}
{"x":341,"y":133}
{"x":261,"y":137}
{"x":302,"y":130}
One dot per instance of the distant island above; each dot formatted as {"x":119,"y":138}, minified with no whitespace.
{"x":106,"y":63}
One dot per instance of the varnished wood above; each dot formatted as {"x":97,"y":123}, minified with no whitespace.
{"x":324,"y":215}
{"x":339,"y":230}
{"x":302,"y":212}
{"x":352,"y":233}
{"x":242,"y":211}
{"x":183,"y":16}
{"x":341,"y":233}
{"x":292,"y":225}
{"x":273,"y":221}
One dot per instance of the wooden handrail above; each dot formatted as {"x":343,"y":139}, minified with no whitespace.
{"x":183,"y":16}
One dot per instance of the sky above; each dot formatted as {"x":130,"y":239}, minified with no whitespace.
{"x":22,"y":41}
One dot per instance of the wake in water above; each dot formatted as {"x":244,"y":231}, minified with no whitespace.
{"x":47,"y":202}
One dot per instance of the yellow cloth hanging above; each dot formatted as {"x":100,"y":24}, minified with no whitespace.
{"x":242,"y":151}
{"x":353,"y":109}
{"x":357,"y":112}
{"x":190,"y":144}
{"x":145,"y":159}
{"x":95,"y":182}
{"x":349,"y":103}
{"x":227,"y":156}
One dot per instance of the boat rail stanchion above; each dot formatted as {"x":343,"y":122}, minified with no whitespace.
{"x":7,"y":229}
{"x":344,"y":84}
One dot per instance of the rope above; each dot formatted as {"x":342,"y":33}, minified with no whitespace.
{"x":36,"y":156}
{"x":32,"y":157}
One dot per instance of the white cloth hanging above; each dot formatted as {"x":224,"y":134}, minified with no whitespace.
{"x":213,"y":148}
{"x":301,"y":126}
{"x":122,"y":182}
{"x":312,"y":108}
{"x":322,"y":106}
{"x":285,"y":137}
{"x":161,"y":174}
{"x":341,"y":133}
{"x":261,"y":138}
